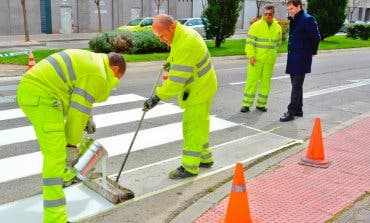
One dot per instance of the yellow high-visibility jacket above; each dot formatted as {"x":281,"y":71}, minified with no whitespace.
{"x":191,"y":71}
{"x":263,"y":41}
{"x":77,"y":78}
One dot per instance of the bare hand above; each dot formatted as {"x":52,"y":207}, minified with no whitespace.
{"x":252,"y":61}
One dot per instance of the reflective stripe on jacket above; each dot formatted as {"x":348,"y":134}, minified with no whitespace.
{"x":191,"y":72}
{"x":263,"y":41}
{"x":77,"y":78}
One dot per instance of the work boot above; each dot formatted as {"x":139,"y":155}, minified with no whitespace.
{"x":244,"y":109}
{"x":206,"y":165}
{"x":262,"y":109}
{"x":74,"y":180}
{"x":180,"y":173}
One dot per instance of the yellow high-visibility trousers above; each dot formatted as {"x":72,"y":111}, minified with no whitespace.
{"x":46,"y":115}
{"x":261,"y":74}
{"x":195,"y":126}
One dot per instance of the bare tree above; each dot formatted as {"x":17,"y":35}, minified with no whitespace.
{"x":352,"y":6}
{"x":26,"y":32}
{"x":97,"y":2}
{"x":158,"y":3}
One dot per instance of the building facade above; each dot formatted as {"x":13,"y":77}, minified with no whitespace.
{"x":68,"y":16}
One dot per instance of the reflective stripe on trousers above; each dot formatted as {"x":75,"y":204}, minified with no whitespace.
{"x":47,"y":119}
{"x":259,"y":73}
{"x":195,"y":127}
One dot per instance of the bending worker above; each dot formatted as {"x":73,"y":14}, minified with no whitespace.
{"x":262,"y":42}
{"x":193,"y":79}
{"x":57,"y":96}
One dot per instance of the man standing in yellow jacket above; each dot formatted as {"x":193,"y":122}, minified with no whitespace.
{"x":57,"y":95}
{"x":262,"y":42}
{"x":193,"y":79}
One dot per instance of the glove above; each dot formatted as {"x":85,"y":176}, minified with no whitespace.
{"x":150,"y":103}
{"x":166,"y":66}
{"x":72,"y":155}
{"x":90,"y":126}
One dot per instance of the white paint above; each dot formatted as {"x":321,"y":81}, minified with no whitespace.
{"x":360,"y":83}
{"x":119,"y":99}
{"x":274,"y":78}
{"x":8,"y":88}
{"x":30,"y":164}
{"x":7,"y":99}
{"x":10,"y":136}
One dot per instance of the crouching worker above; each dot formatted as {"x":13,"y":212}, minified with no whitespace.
{"x":57,"y":95}
{"x":193,"y":79}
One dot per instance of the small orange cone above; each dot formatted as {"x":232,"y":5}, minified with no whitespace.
{"x":238,"y":208}
{"x":315,"y":156}
{"x":31,"y":60}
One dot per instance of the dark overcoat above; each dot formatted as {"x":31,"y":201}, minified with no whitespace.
{"x":304,"y":38}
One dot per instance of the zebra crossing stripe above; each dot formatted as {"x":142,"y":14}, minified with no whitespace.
{"x":10,"y":136}
{"x":17,"y":113}
{"x":31,"y":163}
{"x":13,"y":54}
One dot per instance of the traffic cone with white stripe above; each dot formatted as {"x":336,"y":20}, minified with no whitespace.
{"x":238,"y":208}
{"x":31,"y":60}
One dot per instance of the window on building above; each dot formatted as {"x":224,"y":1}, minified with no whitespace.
{"x":359,"y":14}
{"x":367,"y":14}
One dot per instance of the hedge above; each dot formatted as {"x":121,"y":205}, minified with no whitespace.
{"x":127,"y":42}
{"x":359,"y":30}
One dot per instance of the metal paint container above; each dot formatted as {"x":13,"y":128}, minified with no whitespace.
{"x":95,"y":154}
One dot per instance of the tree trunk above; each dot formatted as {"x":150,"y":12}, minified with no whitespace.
{"x":26,"y":32}
{"x":99,"y":14}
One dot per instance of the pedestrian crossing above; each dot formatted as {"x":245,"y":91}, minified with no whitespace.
{"x":29,"y":164}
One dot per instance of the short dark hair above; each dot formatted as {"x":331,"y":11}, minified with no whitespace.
{"x":116,"y":59}
{"x":269,"y":7}
{"x":295,"y":3}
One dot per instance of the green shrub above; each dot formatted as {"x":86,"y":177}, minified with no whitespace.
{"x":127,"y":42}
{"x":147,"y":42}
{"x":355,"y":31}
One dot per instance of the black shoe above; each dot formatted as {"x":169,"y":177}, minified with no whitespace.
{"x":244,"y":109}
{"x":262,"y":109}
{"x":299,"y":114}
{"x":206,"y":165}
{"x":287,"y":117}
{"x":180,"y":173}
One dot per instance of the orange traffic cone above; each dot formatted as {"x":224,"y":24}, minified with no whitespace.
{"x":31,"y":60}
{"x":238,"y":208}
{"x":315,"y":156}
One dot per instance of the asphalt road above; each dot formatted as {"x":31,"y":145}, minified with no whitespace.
{"x":336,"y":91}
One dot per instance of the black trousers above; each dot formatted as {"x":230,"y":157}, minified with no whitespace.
{"x":296,"y":97}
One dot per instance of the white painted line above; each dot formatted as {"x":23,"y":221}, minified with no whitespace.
{"x":12,"y":78}
{"x":274,"y":78}
{"x":360,"y":83}
{"x":81,"y":202}
{"x":8,"y":88}
{"x":7,"y":99}
{"x":119,"y":99}
{"x":26,"y":133}
{"x":30,"y":164}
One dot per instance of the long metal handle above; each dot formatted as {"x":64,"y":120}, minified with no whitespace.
{"x":138,"y":128}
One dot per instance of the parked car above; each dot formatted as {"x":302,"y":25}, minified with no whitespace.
{"x":138,"y":24}
{"x":195,"y":23}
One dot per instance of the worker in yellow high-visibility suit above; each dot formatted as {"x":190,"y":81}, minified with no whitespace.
{"x":262,"y":42}
{"x":193,"y":79}
{"x":57,"y":96}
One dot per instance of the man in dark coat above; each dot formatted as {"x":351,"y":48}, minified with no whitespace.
{"x":304,"y":38}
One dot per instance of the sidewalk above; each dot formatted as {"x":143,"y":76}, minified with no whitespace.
{"x":289,"y":192}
